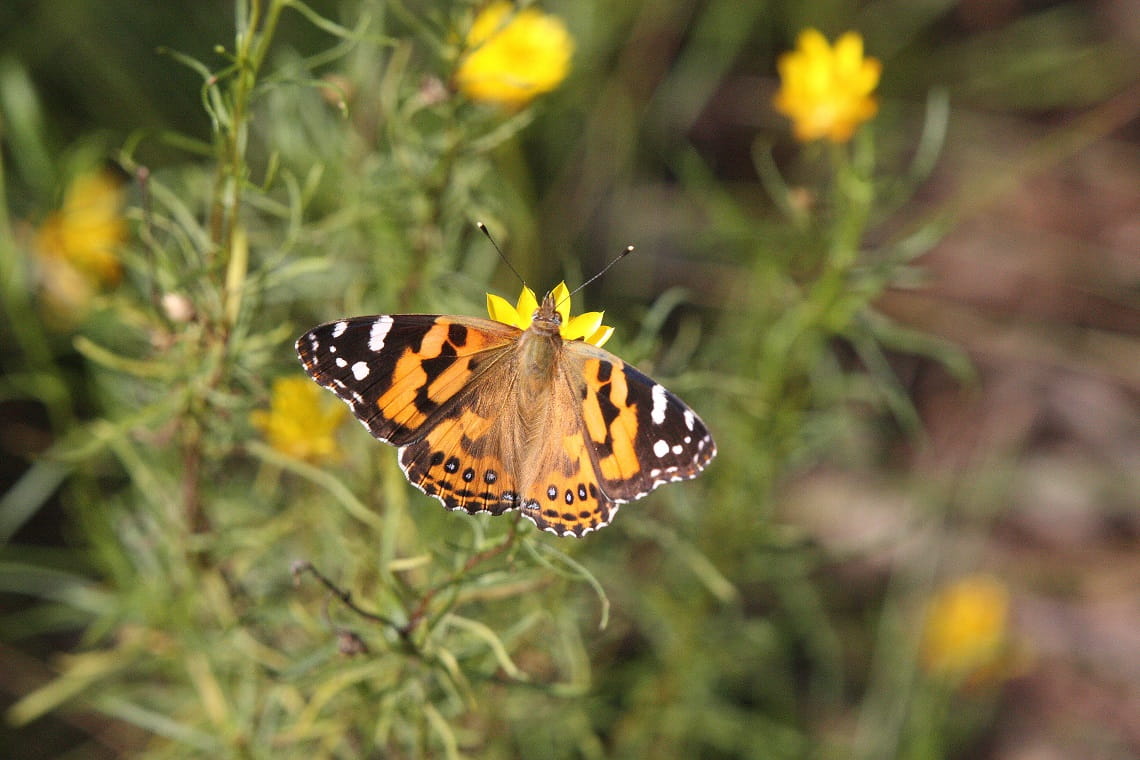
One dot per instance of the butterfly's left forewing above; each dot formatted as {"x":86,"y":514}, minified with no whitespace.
{"x":399,"y":372}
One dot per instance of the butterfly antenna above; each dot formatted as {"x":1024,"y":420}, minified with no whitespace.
{"x":625,"y":252}
{"x":483,"y":228}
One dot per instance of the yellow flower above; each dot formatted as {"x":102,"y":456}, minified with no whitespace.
{"x":826,"y":91}
{"x":301,"y":420}
{"x":966,"y":630}
{"x":77,"y":246}
{"x":512,"y":56}
{"x":587,"y":326}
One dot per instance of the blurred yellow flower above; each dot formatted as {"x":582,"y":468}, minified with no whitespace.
{"x":966,"y":629}
{"x":587,"y":326}
{"x":826,"y":91}
{"x":77,"y":246}
{"x":512,"y":56}
{"x":301,"y":421}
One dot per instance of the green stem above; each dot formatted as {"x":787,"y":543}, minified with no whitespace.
{"x":253,"y":37}
{"x":827,"y":305}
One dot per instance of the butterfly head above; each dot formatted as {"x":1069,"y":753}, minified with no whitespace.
{"x":546,"y":319}
{"x":551,"y":316}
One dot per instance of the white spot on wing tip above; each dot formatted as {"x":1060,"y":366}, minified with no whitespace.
{"x":661,"y":448}
{"x":689,"y":419}
{"x":339,"y":328}
{"x":660,"y":399}
{"x":379,"y":333}
{"x":359,"y":370}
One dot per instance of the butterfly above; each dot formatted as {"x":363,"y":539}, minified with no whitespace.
{"x":524,"y":411}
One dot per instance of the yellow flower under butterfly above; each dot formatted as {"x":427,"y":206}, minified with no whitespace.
{"x":587,"y":326}
{"x":301,"y":422}
{"x":512,"y":56}
{"x":965,"y":636}
{"x":825,"y":90}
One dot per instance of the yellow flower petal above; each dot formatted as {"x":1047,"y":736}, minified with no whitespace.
{"x":966,"y":627}
{"x":88,"y":228}
{"x":77,"y":246}
{"x":561,"y":295}
{"x":67,"y":292}
{"x":848,"y":53}
{"x":601,"y":335}
{"x":527,"y":306}
{"x":513,"y":56}
{"x":301,"y":421}
{"x":825,"y":90}
{"x":812,"y":43}
{"x":501,"y":310}
{"x":582,"y":326}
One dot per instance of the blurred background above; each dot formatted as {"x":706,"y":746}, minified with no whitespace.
{"x":921,"y":540}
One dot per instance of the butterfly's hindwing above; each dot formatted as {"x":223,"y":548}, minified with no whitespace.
{"x":460,"y":460}
{"x":397,"y":371}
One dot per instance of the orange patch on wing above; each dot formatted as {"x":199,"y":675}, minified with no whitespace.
{"x":622,"y":462}
{"x":469,"y":425}
{"x":432,"y":343}
{"x":478,"y":339}
{"x":576,"y":458}
{"x":451,"y":380}
{"x":398,"y":403}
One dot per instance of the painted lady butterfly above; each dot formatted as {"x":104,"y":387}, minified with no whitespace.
{"x":526,"y":413}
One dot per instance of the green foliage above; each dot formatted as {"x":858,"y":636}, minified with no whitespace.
{"x":226,"y":599}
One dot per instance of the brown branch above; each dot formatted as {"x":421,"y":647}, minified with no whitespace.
{"x":301,"y":567}
{"x":417,"y":616}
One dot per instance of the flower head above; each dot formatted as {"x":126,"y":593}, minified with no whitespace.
{"x":512,"y":56}
{"x":587,"y":326}
{"x":77,"y":246}
{"x":301,"y":421}
{"x":825,"y":90}
{"x":966,"y":634}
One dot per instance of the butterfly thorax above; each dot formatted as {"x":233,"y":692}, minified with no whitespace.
{"x":539,"y":348}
